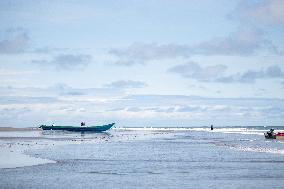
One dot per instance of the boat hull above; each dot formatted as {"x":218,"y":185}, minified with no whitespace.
{"x":100,"y":128}
{"x":280,"y":136}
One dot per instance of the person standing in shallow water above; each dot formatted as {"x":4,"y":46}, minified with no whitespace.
{"x":211,"y":127}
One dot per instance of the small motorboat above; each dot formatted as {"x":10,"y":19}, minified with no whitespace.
{"x":272,"y":135}
{"x":82,"y":128}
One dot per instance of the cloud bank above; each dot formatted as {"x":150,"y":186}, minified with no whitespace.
{"x":46,"y":105}
{"x":244,"y":42}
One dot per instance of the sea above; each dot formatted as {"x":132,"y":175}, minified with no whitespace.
{"x":126,"y":158}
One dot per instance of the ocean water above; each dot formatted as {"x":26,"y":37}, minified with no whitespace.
{"x":228,"y":157}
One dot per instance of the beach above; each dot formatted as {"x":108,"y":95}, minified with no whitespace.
{"x":141,"y":158}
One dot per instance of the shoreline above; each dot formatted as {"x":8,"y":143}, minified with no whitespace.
{"x":9,"y":158}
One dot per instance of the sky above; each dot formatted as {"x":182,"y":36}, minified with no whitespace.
{"x":154,"y":63}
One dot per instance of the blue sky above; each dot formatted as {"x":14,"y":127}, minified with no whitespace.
{"x":142,"y":63}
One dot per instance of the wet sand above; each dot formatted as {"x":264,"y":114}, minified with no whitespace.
{"x":13,"y":144}
{"x":12,"y":158}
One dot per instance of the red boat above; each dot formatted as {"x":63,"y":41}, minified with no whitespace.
{"x":280,"y":135}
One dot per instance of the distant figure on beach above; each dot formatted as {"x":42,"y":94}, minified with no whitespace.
{"x":211,"y":127}
{"x":82,"y":123}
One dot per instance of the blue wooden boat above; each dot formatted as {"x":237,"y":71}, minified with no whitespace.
{"x":99,"y":128}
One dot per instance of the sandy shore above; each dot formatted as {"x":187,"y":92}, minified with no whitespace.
{"x":12,"y":158}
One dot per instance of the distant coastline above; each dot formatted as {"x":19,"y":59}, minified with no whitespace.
{"x":18,"y":129}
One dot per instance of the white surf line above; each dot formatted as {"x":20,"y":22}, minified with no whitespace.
{"x":261,"y":150}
